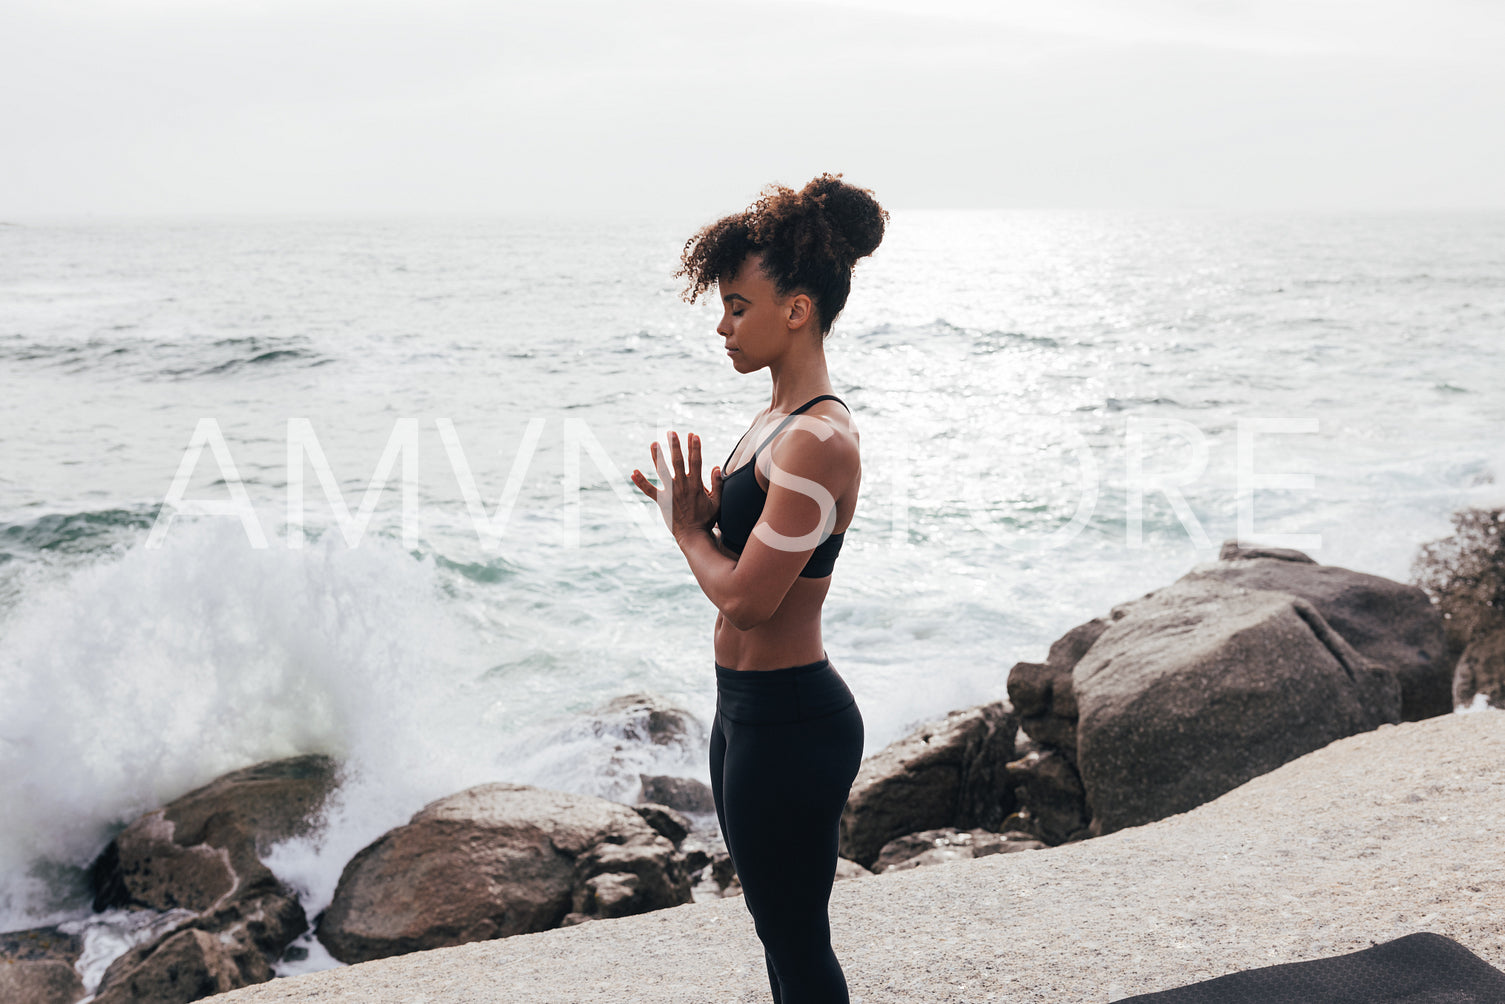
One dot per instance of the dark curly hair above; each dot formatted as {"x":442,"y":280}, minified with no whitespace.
{"x":810,"y":241}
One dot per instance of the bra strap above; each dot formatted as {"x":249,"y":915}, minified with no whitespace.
{"x":787,"y":419}
{"x":796,"y":411}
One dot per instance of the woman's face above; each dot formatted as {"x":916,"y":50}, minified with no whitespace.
{"x":754,"y":321}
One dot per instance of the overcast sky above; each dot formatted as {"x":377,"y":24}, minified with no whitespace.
{"x":398,"y":106}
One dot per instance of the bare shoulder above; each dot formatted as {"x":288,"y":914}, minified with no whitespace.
{"x":827,"y":441}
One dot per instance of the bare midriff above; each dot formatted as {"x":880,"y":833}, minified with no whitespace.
{"x":791,"y":637}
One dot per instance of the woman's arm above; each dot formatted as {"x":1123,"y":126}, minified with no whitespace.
{"x":807,"y":473}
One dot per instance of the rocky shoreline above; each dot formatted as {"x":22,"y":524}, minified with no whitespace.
{"x":1373,"y":837}
{"x":1166,"y":704}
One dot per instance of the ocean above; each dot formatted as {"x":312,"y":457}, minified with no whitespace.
{"x":428,"y":560}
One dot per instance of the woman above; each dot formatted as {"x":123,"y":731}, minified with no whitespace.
{"x":787,"y":739}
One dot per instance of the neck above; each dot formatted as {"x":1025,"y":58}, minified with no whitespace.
{"x":799,"y":374}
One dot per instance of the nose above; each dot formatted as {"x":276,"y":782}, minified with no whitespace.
{"x":724,"y":329}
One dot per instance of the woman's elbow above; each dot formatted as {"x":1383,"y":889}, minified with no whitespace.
{"x":745,"y":613}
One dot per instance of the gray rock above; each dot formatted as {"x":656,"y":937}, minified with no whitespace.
{"x":650,"y":875}
{"x":494,"y":861}
{"x":929,"y":847}
{"x":204,"y":846}
{"x":687,"y":794}
{"x":951,"y":772}
{"x":1041,"y":692}
{"x":37,"y":966}
{"x":648,"y":718}
{"x":1201,"y":685}
{"x":235,"y":943}
{"x":669,"y":824}
{"x":1391,"y":623}
{"x":1232,"y":550}
{"x":186,"y":965}
{"x":1052,"y":792}
{"x":725,"y":873}
{"x":610,"y":894}
{"x":1481,"y":668}
{"x":200,"y":853}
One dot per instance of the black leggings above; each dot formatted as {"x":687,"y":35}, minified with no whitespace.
{"x":785,"y":748}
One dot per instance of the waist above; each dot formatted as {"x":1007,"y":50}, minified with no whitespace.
{"x":780,"y":696}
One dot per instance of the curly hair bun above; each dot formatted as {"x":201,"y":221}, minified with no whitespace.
{"x":855,"y":216}
{"x":808,"y":240}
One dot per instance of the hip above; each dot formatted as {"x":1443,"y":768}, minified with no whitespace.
{"x":782,"y":696}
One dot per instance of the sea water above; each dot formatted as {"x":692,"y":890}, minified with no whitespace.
{"x":1022,"y":382}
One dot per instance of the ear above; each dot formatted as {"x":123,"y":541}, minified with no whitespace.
{"x":801,"y":309}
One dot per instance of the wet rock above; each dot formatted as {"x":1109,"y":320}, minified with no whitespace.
{"x":187,"y":965}
{"x":204,"y":846}
{"x":200,"y":853}
{"x":37,"y":966}
{"x":950,"y":772}
{"x":648,"y":718}
{"x":686,"y":794}
{"x":233,"y":945}
{"x":669,"y":824}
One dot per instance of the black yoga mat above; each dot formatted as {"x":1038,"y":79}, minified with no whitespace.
{"x":1422,"y":968}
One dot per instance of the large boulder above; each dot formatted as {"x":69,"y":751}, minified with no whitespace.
{"x":1199,"y":686}
{"x":204,"y":846}
{"x":1481,"y":668}
{"x":38,"y":966}
{"x":200,"y":854}
{"x":1391,"y":623}
{"x":1259,"y":656}
{"x":951,"y":772}
{"x":498,"y":860}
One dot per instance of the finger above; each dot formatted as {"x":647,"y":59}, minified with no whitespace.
{"x":662,"y":467}
{"x":644,"y":485}
{"x":665,"y":494}
{"x":679,"y":458}
{"x":694,"y":468}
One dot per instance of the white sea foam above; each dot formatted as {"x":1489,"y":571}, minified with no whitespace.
{"x":1479,"y":703}
{"x":134,"y":679}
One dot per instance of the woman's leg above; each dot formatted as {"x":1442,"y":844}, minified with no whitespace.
{"x":718,"y":786}
{"x":718,"y":766}
{"x":784,"y":787}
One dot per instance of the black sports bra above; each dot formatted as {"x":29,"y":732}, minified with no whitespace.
{"x":742,"y":501}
